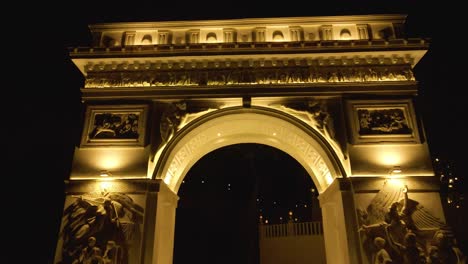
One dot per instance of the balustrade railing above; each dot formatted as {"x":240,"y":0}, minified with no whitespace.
{"x":291,"y":229}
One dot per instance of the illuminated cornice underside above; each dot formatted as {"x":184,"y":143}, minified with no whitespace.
{"x":411,"y":50}
{"x":248,"y":127}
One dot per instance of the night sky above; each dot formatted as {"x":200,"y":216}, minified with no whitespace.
{"x":45,"y":101}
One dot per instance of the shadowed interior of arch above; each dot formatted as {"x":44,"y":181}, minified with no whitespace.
{"x":224,"y":194}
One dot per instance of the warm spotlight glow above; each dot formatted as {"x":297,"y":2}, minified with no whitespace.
{"x":105,"y":185}
{"x":328,"y":178}
{"x":168,"y":178}
{"x":396,"y":183}
{"x":390,"y":158}
{"x":110,"y":161}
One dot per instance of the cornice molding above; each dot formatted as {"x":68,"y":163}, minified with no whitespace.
{"x":254,"y":22}
{"x":386,"y":53}
{"x":251,"y":48}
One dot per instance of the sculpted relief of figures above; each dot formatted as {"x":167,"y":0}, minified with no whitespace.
{"x":397,"y":229}
{"x":291,"y":75}
{"x":176,"y":115}
{"x":101,"y":227}
{"x":171,"y":120}
{"x":317,"y":114}
{"x":314,"y":112}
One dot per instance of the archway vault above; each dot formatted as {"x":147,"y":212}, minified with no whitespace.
{"x":237,"y":125}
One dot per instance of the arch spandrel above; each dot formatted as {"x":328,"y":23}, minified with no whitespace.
{"x":248,"y":125}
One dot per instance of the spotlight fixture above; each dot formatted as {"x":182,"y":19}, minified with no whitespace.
{"x":104,"y":173}
{"x":396,"y":170}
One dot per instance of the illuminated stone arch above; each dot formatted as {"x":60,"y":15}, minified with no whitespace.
{"x":248,"y":125}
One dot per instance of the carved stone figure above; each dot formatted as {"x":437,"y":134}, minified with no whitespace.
{"x":322,"y":117}
{"x":93,"y":220}
{"x":171,"y":119}
{"x":444,"y":249}
{"x":407,"y":227}
{"x":381,"y":256}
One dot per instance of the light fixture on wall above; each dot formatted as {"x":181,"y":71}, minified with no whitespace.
{"x":394,"y":177}
{"x":104,"y":173}
{"x":396,"y":170}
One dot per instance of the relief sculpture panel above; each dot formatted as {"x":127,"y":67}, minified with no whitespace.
{"x":257,"y":75}
{"x":397,"y":229}
{"x":101,"y":227}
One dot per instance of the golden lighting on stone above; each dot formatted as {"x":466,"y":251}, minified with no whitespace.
{"x":168,"y":178}
{"x":105,"y":185}
{"x":328,"y":178}
{"x":110,"y":161}
{"x":391,"y":158}
{"x":396,"y":182}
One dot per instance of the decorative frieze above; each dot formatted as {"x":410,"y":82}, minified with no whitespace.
{"x":180,"y":76}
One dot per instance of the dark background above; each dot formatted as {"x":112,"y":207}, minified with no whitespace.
{"x":42,"y":99}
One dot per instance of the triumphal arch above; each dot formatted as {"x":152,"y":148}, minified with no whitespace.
{"x":335,"y":93}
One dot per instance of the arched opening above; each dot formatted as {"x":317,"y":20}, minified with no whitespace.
{"x":259,"y":125}
{"x":345,"y":34}
{"x":226,"y":195}
{"x":278,"y":36}
{"x":211,"y":37}
{"x":147,"y":40}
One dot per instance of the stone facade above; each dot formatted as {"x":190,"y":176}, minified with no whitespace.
{"x":335,"y":93}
